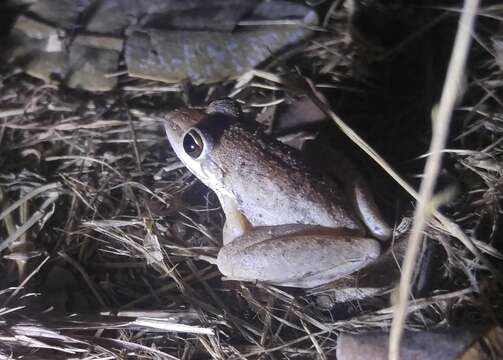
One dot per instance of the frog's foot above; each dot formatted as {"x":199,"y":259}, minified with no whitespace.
{"x":296,"y":255}
{"x":369,"y":212}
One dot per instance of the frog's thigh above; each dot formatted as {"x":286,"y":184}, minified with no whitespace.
{"x":306,"y":256}
{"x":236,"y":223}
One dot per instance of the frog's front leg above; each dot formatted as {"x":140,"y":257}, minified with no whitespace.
{"x":236,"y":224}
{"x":296,"y":255}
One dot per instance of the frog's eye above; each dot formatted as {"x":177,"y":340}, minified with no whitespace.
{"x":193,"y":144}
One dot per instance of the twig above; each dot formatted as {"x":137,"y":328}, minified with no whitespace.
{"x":25,"y":281}
{"x":27,"y":197}
{"x":432,"y":168}
{"x":319,"y":350}
{"x":85,"y":158}
{"x":37,"y":215}
{"x":135,"y":143}
{"x":11,"y":112}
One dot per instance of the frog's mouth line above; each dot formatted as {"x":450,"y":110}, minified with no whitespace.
{"x":215,"y":175}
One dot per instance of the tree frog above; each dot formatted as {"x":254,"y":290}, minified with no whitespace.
{"x":287,"y":223}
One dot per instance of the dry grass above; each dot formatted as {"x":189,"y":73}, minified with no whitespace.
{"x":426,"y":203}
{"x":105,"y":237}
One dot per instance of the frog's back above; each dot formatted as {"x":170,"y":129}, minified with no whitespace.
{"x":274,"y":185}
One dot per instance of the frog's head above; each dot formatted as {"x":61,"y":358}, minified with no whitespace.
{"x":193,"y":135}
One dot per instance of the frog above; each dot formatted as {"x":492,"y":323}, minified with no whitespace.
{"x":287,"y":223}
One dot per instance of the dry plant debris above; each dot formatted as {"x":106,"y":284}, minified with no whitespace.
{"x":106,"y":238}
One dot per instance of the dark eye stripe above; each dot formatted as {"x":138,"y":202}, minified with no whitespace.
{"x":193,"y":144}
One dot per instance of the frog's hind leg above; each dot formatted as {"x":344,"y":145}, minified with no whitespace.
{"x":343,"y":171}
{"x":296,"y":255}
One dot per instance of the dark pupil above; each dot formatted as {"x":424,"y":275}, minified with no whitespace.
{"x":193,"y":144}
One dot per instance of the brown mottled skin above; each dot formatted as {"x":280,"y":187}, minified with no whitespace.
{"x":296,"y":193}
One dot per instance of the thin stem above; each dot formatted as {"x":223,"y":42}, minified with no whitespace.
{"x":439,"y":137}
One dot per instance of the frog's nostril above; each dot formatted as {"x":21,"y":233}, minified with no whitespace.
{"x":193,"y":144}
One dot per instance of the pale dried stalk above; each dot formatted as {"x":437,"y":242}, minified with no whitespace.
{"x":432,"y":168}
{"x":37,"y":215}
{"x":25,"y":281}
{"x":27,"y":197}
